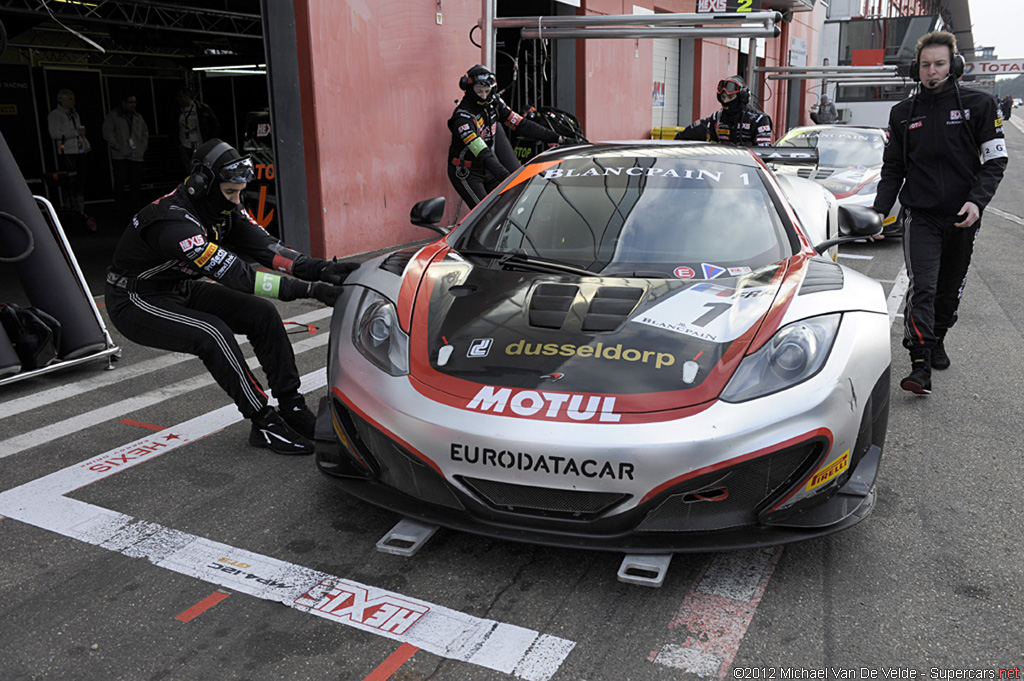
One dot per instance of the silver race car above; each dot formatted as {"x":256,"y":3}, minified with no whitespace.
{"x":637,"y":346}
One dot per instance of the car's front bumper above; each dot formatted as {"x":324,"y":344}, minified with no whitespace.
{"x":730,"y":476}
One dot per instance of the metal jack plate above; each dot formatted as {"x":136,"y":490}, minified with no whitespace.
{"x":406,"y":538}
{"x":644,"y":570}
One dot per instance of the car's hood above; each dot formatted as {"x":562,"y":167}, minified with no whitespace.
{"x":844,"y":181}
{"x":656,"y":344}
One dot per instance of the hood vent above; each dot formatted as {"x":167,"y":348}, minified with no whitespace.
{"x":397,"y":261}
{"x":822,"y":275}
{"x":815,"y":174}
{"x":610,"y":307}
{"x":550,"y":303}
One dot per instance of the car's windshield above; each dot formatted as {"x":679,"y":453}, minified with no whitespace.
{"x":623,"y":214}
{"x":840,"y":148}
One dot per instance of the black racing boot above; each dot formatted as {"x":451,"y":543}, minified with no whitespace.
{"x":940,"y":360}
{"x":297,"y":415}
{"x":271,"y":432}
{"x":920,"y":379}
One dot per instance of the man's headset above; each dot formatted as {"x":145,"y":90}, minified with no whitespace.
{"x":203,"y":175}
{"x":478,"y":75}
{"x":956,"y":67}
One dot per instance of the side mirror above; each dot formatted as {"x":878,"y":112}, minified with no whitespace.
{"x":855,"y":222}
{"x":429,"y":213}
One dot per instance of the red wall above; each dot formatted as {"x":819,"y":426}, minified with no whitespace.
{"x":380,"y":79}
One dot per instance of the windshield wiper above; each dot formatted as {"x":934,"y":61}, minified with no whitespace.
{"x":531,"y":263}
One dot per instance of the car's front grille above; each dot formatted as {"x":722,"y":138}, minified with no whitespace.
{"x":543,"y":501}
{"x":732,"y":497}
{"x":398,"y":467}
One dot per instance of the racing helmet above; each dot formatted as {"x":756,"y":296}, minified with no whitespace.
{"x":478,"y":75}
{"x":733,"y":85}
{"x":216,"y":161}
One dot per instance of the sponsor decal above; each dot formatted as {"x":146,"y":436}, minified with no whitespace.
{"x":192,"y":242}
{"x":916,"y":124}
{"x":830,"y":471}
{"x":598,"y":351}
{"x":262,"y":129}
{"x":514,"y":119}
{"x":350,"y":602}
{"x":545,"y":405}
{"x":464,"y":127}
{"x":121,"y":458}
{"x":711,"y":271}
{"x":248,"y":575}
{"x":689,"y":174}
{"x":765,"y":128}
{"x":684,"y":272}
{"x":955,"y":114}
{"x":480,"y":347}
{"x":737,"y":271}
{"x":541,"y":463}
{"x":205,"y":256}
{"x":710,"y":311}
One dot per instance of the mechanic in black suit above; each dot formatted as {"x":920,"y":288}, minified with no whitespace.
{"x":156,"y":298}
{"x":480,"y":155}
{"x":738,"y":122}
{"x":945,"y":158}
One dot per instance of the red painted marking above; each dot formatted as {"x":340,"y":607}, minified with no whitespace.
{"x":141,"y":424}
{"x":100,"y":304}
{"x":391,"y":665}
{"x":714,"y":624}
{"x":202,"y":606}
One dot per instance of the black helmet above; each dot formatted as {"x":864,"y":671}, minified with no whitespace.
{"x":216,"y":161}
{"x":733,"y":85}
{"x":478,"y":75}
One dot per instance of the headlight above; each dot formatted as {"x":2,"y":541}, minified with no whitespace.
{"x":378,"y":336}
{"x":794,"y":354}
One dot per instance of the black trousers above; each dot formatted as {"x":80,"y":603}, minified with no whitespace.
{"x":938,"y":255}
{"x":471,"y":184}
{"x":202,"y":318}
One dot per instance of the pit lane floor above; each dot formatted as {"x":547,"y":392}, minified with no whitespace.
{"x":176,"y":559}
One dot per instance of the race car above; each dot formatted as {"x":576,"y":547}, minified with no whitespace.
{"x":625,"y":346}
{"x":849,"y":164}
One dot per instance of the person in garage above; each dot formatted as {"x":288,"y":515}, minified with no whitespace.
{"x":738,"y":122}
{"x":480,"y":155}
{"x":157,"y":295}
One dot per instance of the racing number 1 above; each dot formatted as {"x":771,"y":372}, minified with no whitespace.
{"x":717,"y":309}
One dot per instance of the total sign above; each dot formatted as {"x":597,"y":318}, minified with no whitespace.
{"x":994,"y":67}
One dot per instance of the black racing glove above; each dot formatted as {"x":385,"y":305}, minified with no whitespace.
{"x":325,"y":293}
{"x":335,"y":272}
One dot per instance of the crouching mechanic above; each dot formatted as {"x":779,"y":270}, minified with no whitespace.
{"x":156,"y":297}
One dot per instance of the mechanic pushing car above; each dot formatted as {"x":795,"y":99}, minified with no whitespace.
{"x":738,"y":122}
{"x":947,"y":152}
{"x":155,"y":296}
{"x":480,"y":155}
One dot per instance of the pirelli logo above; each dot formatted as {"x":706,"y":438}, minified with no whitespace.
{"x":206,"y":255}
{"x":830,"y":471}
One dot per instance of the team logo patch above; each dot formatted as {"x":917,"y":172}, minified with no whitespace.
{"x":206,"y":255}
{"x":192,"y":242}
{"x":916,"y":124}
{"x":711,"y":271}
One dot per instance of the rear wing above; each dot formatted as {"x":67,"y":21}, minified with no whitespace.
{"x":788,"y":156}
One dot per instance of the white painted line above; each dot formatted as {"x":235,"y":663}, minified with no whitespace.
{"x":1006,"y":216}
{"x":716,"y":613}
{"x":98,"y":380}
{"x":448,"y":633}
{"x":896,"y":293}
{"x":854,"y":256}
{"x":117,"y":410}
